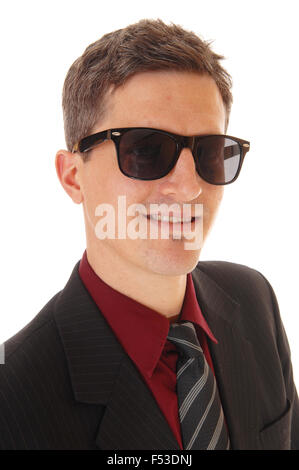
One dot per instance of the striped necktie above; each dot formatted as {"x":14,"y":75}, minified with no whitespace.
{"x":200,"y":410}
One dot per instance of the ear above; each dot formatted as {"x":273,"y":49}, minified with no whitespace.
{"x":68,"y":168}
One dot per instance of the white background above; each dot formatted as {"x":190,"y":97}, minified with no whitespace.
{"x":42,"y":230}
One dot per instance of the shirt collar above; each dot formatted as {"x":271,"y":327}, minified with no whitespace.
{"x":141,"y":331}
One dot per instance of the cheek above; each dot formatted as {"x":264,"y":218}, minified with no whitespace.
{"x":218,"y":195}
{"x":212,"y":197}
{"x":106,"y":183}
{"x":136,"y":191}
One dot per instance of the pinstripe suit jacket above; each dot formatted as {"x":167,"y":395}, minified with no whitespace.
{"x":68,"y":384}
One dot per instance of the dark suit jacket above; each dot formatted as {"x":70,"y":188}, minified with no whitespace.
{"x":68,"y":384}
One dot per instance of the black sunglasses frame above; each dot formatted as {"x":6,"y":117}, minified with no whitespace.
{"x":88,"y":143}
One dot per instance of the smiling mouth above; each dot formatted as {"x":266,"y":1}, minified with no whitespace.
{"x":171,"y":219}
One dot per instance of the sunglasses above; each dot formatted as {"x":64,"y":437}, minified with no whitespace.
{"x":149,"y":154}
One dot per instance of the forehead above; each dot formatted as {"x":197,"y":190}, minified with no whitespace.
{"x":175,"y":101}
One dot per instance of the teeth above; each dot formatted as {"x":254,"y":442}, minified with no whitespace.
{"x":166,"y":218}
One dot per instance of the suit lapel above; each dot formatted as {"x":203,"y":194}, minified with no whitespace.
{"x":233,"y":360}
{"x":102,"y":373}
{"x":132,"y":419}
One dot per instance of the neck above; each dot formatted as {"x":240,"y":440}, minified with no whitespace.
{"x":164,"y":294}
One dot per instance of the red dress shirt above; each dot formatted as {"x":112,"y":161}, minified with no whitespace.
{"x":145,"y":340}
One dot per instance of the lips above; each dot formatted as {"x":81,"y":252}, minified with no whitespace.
{"x":170,"y":218}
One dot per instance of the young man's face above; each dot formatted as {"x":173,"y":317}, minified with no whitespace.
{"x":178,"y":102}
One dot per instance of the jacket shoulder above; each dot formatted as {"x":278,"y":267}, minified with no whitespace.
{"x":33,"y":377}
{"x":221,"y":269}
{"x":33,"y":328}
{"x":29,"y":354}
{"x":247,"y":287}
{"x":239,"y":281}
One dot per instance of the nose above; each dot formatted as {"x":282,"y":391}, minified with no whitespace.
{"x":183,"y":181}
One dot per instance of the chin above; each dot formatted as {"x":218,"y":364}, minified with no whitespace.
{"x":172,"y":261}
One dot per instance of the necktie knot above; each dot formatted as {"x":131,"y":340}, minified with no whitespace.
{"x":183,"y":335}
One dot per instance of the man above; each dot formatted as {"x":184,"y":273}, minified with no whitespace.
{"x":108,"y":362}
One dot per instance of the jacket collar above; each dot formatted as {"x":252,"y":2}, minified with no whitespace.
{"x":101,"y":372}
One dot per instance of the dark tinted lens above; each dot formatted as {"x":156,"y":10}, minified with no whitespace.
{"x":218,"y":159}
{"x":146,"y":154}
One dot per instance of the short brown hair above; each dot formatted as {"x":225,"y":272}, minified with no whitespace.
{"x":144,"y":46}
